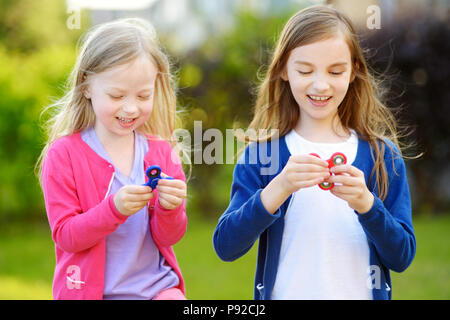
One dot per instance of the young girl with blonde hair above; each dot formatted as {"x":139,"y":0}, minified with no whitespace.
{"x":113,"y":235}
{"x":326,"y":229}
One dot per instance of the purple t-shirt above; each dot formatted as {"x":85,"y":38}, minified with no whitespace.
{"x":134,"y":267}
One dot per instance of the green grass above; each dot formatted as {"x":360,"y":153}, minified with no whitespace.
{"x":27,"y":262}
{"x":428,"y":277}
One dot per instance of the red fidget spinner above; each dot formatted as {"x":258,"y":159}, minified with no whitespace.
{"x":336,"y":159}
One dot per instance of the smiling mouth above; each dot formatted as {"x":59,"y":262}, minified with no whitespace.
{"x":319,"y":98}
{"x":125,"y":120}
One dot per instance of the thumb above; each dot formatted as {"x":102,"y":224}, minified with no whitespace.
{"x":163,"y":175}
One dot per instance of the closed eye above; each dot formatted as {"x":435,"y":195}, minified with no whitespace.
{"x":115,"y":97}
{"x":302,"y":72}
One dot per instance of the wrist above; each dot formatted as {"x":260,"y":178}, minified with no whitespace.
{"x":162,"y":207}
{"x":118,"y":210}
{"x":366,"y":204}
{"x":273,"y":195}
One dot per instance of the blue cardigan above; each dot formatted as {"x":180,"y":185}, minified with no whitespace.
{"x":387,"y":225}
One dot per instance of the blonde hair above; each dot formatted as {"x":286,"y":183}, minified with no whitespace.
{"x":361,"y":109}
{"x":105,"y":46}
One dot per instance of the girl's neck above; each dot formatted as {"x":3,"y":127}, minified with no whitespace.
{"x":120,"y":149}
{"x":322,"y":131}
{"x":115,"y":143}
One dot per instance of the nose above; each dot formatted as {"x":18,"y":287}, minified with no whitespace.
{"x":130,"y":106}
{"x":320,"y":84}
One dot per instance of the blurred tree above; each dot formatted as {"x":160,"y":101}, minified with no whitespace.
{"x":27,"y":25}
{"x":415,"y":53}
{"x":217,"y":83}
{"x":37,"y":51}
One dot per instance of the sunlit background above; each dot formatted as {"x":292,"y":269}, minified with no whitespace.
{"x":219,"y":50}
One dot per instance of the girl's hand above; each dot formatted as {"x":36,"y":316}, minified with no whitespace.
{"x":132,"y":198}
{"x":303,"y":171}
{"x":353,"y":187}
{"x":171,"y":192}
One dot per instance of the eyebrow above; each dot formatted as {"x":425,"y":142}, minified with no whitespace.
{"x":310,"y":64}
{"x":120,"y":89}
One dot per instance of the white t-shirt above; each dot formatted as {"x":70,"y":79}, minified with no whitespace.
{"x":324,"y":250}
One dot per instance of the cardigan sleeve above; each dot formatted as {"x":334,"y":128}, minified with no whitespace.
{"x":246,"y":218}
{"x":72,"y":229}
{"x":388,"y":224}
{"x":169,"y":226}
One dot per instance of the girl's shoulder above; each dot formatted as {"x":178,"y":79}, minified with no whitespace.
{"x":157,"y":143}
{"x":161,"y":151}
{"x":66,"y":149}
{"x":66,"y":143}
{"x":263,"y":160}
{"x":391,"y":153}
{"x":262,"y":152}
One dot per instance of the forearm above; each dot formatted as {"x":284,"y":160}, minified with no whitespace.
{"x":74,"y":232}
{"x":241,"y":225}
{"x":273,"y":196}
{"x":168,"y":226}
{"x":393,"y":238}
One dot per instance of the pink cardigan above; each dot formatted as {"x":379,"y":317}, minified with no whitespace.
{"x":81,"y":213}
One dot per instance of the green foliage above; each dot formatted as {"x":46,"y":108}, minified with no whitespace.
{"x":27,"y":25}
{"x":217,"y":86}
{"x":37,"y":51}
{"x":27,"y":83}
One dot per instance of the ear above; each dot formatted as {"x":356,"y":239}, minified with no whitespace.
{"x":86,"y":91}
{"x":352,"y":77}
{"x":284,"y":74}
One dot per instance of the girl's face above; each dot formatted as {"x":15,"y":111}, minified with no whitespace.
{"x":319,"y":75}
{"x":122,"y":97}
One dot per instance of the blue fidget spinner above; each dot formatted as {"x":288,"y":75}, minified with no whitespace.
{"x":154,"y":174}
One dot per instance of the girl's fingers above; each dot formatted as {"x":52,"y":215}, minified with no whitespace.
{"x":310,"y":183}
{"x":343,"y":190}
{"x":346,"y":168}
{"x":306,"y":181}
{"x":344,"y":180}
{"x":137,"y":197}
{"x":137,"y":189}
{"x":309,"y":168}
{"x":181,"y":193}
{"x":308,"y":176}
{"x":176,"y":183}
{"x":171,"y":199}
{"x":136,"y":206}
{"x":306,"y":158}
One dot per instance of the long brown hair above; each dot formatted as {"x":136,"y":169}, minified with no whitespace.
{"x":362,"y":108}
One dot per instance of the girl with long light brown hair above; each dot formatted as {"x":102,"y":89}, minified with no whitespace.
{"x":335,"y":216}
